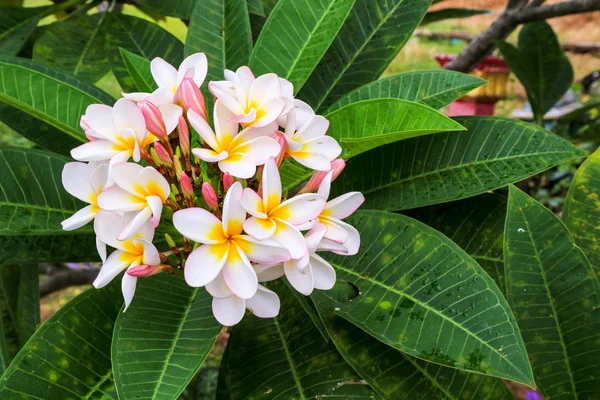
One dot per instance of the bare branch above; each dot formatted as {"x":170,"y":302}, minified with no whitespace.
{"x":556,"y":10}
{"x":67,"y":278}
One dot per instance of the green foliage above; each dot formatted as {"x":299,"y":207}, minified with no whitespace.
{"x":541,"y":66}
{"x":179,"y":8}
{"x":16,"y":24}
{"x":139,"y":71}
{"x":450,"y":13}
{"x":554,"y":294}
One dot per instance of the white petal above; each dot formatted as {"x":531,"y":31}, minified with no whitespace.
{"x":316,"y":127}
{"x":99,"y":117}
{"x":234,"y":214}
{"x":259,"y":228}
{"x":79,"y":219}
{"x":107,"y":226}
{"x":264,"y":88}
{"x":344,"y":205}
{"x":209,"y":155}
{"x":299,"y":209}
{"x":119,"y":158}
{"x":302,"y":282}
{"x":126,"y":175}
{"x":135,"y":224}
{"x":239,"y":166}
{"x":271,"y":186}
{"x":326,"y":146}
{"x":76,"y":180}
{"x":229,"y":311}
{"x":330,"y":245}
{"x":135,"y":96}
{"x":101,"y":249}
{"x":226,"y":98}
{"x":161,"y":96}
{"x":170,"y":114}
{"x":352,"y":243}
{"x":223,"y":119}
{"x":116,"y":199}
{"x":323,"y":273}
{"x":154,"y":183}
{"x":318,"y":162}
{"x":266,"y":252}
{"x":151,"y":256}
{"x":115,"y":263}
{"x":98,"y":150}
{"x":205,"y":263}
{"x":270,"y":111}
{"x":156,"y":205}
{"x":335,"y":231}
{"x":99,"y":178}
{"x":128,"y":284}
{"x":164,"y":74}
{"x":218,"y":288}
{"x":252,"y":203}
{"x":264,"y":304}
{"x":259,"y":149}
{"x":325,"y":186}
{"x":267,"y":273}
{"x":203,"y":129}
{"x":199,"y":63}
{"x":199,"y":225}
{"x":314,"y":237}
{"x":291,"y":238}
{"x":239,"y":274}
{"x":128,"y":116}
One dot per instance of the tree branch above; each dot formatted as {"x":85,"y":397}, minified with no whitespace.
{"x":556,"y":10}
{"x":67,"y":278}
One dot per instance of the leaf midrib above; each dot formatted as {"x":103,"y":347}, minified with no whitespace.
{"x":89,"y":42}
{"x":288,"y":356}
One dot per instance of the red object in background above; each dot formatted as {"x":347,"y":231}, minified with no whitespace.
{"x":482,"y":100}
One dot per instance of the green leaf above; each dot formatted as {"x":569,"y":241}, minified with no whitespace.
{"x":256,"y":7}
{"x":32,"y":205}
{"x":555,"y":296}
{"x":450,"y":13}
{"x":541,"y":65}
{"x":220,"y":29}
{"x":492,"y":153}
{"x":19,"y":308}
{"x":16,"y":24}
{"x":143,"y":38}
{"x":76,"y":46}
{"x":68,"y":357}
{"x":162,"y":339}
{"x":423,"y":295}
{"x":179,"y":8}
{"x":371,"y":37}
{"x":435,"y":88}
{"x":476,"y":225}
{"x":139,"y":70}
{"x":364,"y":125}
{"x":310,"y":310}
{"x":296,"y":36}
{"x":581,"y":212}
{"x":395,"y":375}
{"x":53,"y":97}
{"x":283,"y":357}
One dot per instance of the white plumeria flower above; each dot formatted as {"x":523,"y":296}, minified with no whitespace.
{"x":253,"y":101}
{"x":306,"y":138}
{"x":120,"y":133}
{"x":236,"y":153}
{"x":225,"y":250}
{"x":168,"y":78}
{"x":139,"y":189}
{"x":85,"y":182}
{"x":138,"y":250}
{"x":276,"y":220}
{"x":338,"y":232}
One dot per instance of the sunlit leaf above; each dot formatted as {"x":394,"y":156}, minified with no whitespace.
{"x":555,"y":296}
{"x":450,"y":13}
{"x":16,"y":24}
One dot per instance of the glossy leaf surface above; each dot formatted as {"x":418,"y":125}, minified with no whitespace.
{"x":16,"y":24}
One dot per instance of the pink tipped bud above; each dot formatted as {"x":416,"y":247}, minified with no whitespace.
{"x":163,"y":155}
{"x":337,"y":166}
{"x":227,"y":181}
{"x":184,"y":136}
{"x":210,"y":196}
{"x":144,"y":270}
{"x":279,"y":136}
{"x":187,"y":189}
{"x":190,"y":97}
{"x":154,"y":120}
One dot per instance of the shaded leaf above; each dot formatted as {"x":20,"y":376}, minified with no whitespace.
{"x":449,"y":13}
{"x":139,"y":71}
{"x":423,"y":295}
{"x":142,"y":38}
{"x":296,"y":36}
{"x":16,"y":24}
{"x":162,"y":339}
{"x":364,"y":125}
{"x":435,"y":88}
{"x":432,"y":169}
{"x":371,"y":37}
{"x":555,"y":296}
{"x":256,"y":7}
{"x":69,"y":355}
{"x":179,"y":8}
{"x":541,"y":66}
{"x":310,"y":310}
{"x":75,"y":45}
{"x":395,"y":375}
{"x":283,"y":357}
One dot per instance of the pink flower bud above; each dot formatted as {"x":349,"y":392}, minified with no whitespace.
{"x":190,"y":97}
{"x":154,"y":120}
{"x":184,"y":136}
{"x":227,"y":181}
{"x":279,"y":136}
{"x":163,"y":155}
{"x":210,"y":196}
{"x":187,"y":189}
{"x":144,"y":270}
{"x":337,"y":166}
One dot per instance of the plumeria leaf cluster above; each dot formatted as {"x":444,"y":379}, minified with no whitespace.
{"x":264,"y":215}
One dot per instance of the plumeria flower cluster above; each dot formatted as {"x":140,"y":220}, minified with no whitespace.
{"x":155,"y":162}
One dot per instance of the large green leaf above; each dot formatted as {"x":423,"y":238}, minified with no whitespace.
{"x":16,"y":24}
{"x":448,"y":13}
{"x":582,"y":209}
{"x":19,"y":308}
{"x":162,"y":339}
{"x":435,"y":88}
{"x":423,"y":295}
{"x":75,"y":45}
{"x":364,"y":125}
{"x":296,"y":36}
{"x":396,"y":375}
{"x":555,"y":296}
{"x":68,"y":357}
{"x":179,"y":8}
{"x":143,"y":38}
{"x":55,"y":98}
{"x":476,"y":225}
{"x":32,"y":205}
{"x":283,"y":357}
{"x":432,"y":169}
{"x":371,"y":37}
{"x":541,"y":65}
{"x":256,"y":7}
{"x":139,"y":71}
